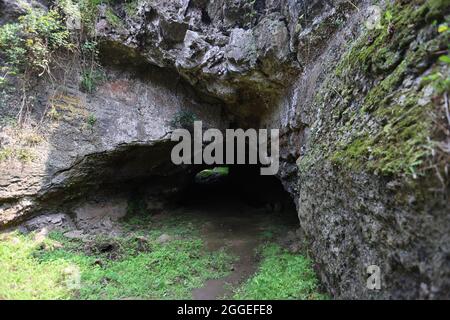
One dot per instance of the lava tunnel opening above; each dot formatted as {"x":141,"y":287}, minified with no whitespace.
{"x":238,"y":186}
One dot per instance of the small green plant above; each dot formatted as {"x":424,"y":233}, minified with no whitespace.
{"x":443,"y":28}
{"x":445,"y":59}
{"x":113,"y":19}
{"x":6,"y":153}
{"x":388,"y":16}
{"x":91,"y":79}
{"x":339,"y":22}
{"x":91,"y":120}
{"x":53,"y":113}
{"x":183,"y":119}
{"x":439,"y":81}
{"x":24,"y":155}
{"x":90,"y":47}
{"x":131,"y":8}
{"x":93,"y":75}
{"x":30,"y":43}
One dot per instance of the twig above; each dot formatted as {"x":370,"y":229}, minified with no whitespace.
{"x":446,"y":107}
{"x":24,"y":96}
{"x":440,"y":178}
{"x":354,"y":5}
{"x":342,"y":98}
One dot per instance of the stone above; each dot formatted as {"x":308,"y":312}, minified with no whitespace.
{"x":58,"y":221}
{"x":12,"y":9}
{"x":41,"y":235}
{"x":164,"y":238}
{"x":75,"y":234}
{"x":241,"y":49}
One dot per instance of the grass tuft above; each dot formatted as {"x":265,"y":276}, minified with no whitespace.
{"x":282,"y":275}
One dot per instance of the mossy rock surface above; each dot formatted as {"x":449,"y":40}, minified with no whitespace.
{"x":385,"y":121}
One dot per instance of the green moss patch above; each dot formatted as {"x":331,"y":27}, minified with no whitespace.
{"x":282,"y":275}
{"x":393,"y":130}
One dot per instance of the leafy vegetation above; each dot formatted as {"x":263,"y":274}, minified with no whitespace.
{"x":30,"y":43}
{"x":281,"y":275}
{"x":113,"y":19}
{"x":131,"y":7}
{"x":29,"y":46}
{"x":22,"y":148}
{"x":91,"y":79}
{"x":91,"y":120}
{"x":33,"y":45}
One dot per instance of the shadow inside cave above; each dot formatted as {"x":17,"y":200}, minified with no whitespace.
{"x":239,"y":186}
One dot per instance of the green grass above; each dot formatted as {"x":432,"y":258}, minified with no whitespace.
{"x":23,"y":277}
{"x":281,"y":275}
{"x":91,"y":79}
{"x":221,"y":171}
{"x":137,"y":266}
{"x":29,"y":270}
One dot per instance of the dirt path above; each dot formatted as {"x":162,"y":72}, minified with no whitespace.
{"x":240,"y":230}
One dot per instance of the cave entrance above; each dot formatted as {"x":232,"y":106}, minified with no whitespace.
{"x":238,"y":189}
{"x":230,"y":211}
{"x":241,"y":212}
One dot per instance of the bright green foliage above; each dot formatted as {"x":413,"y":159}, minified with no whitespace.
{"x":91,"y":120}
{"x":22,"y":276}
{"x":90,"y":79}
{"x":438,"y":80}
{"x":282,"y":275}
{"x":12,"y":46}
